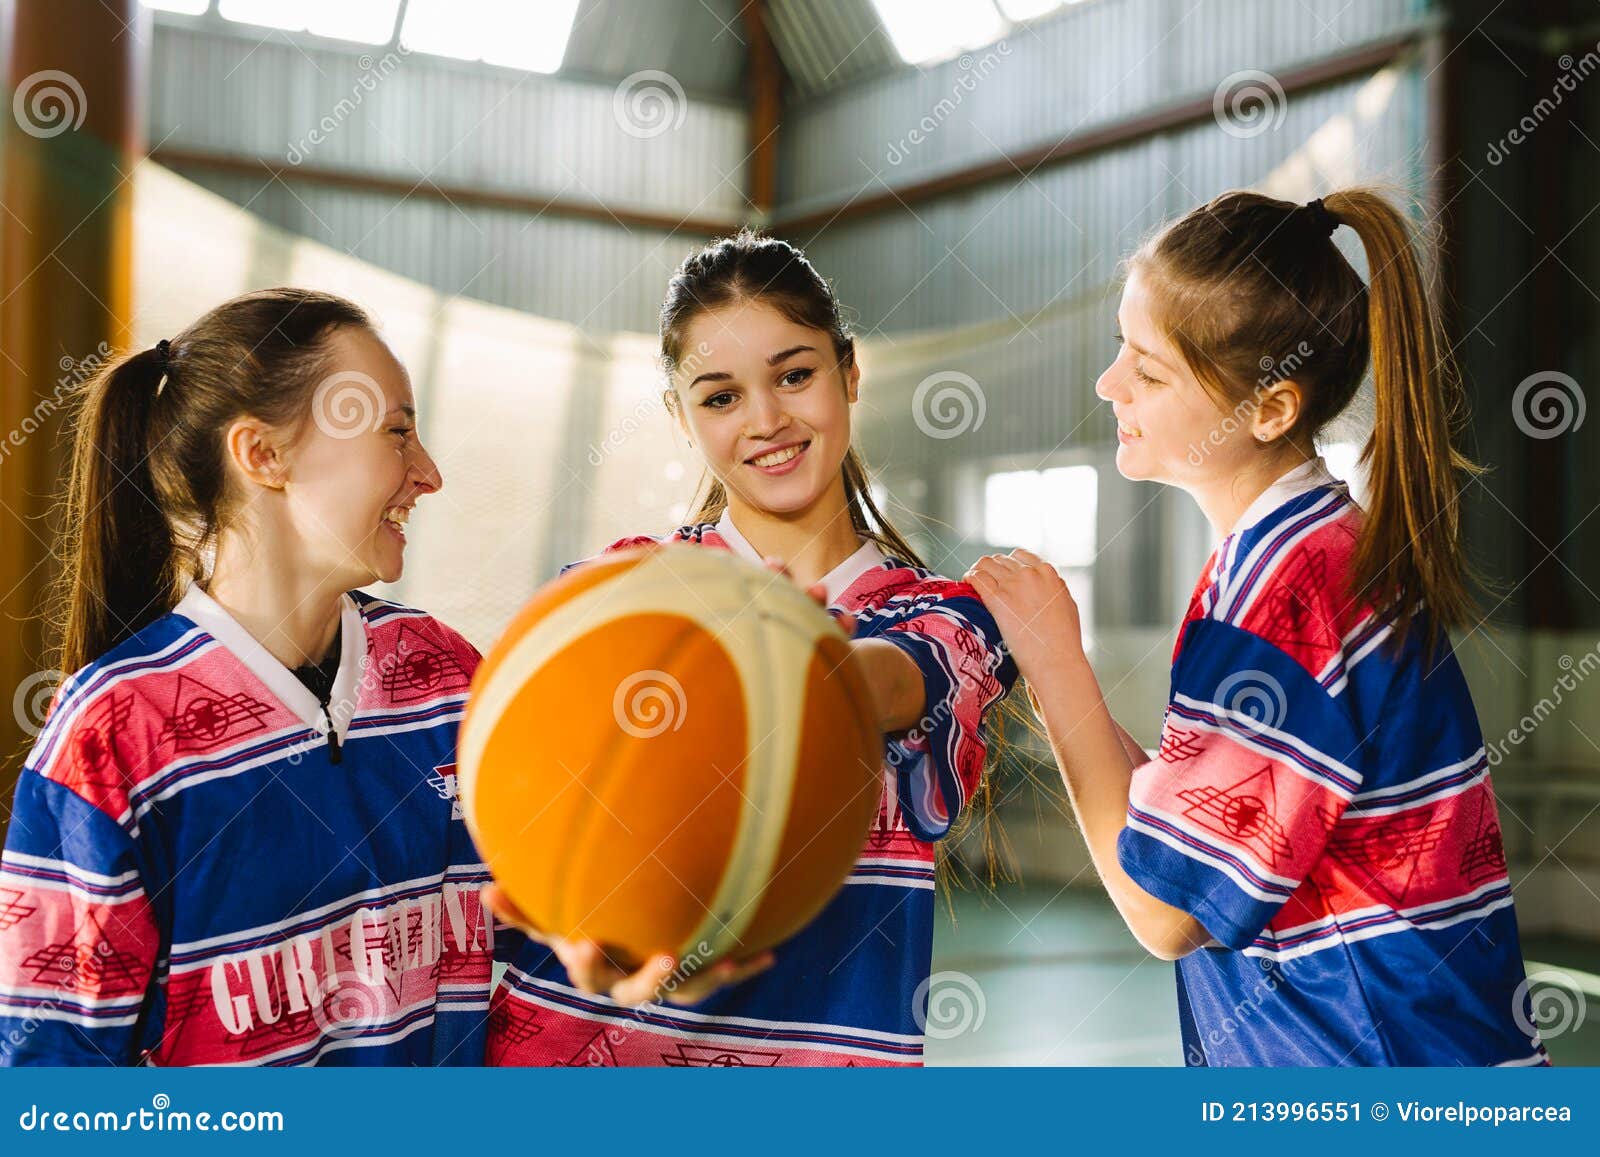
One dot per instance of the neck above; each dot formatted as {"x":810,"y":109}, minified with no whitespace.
{"x":1224,"y":500}
{"x":811,"y":542}
{"x":293,"y":615}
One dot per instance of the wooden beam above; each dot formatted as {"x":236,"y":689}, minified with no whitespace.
{"x":764,"y":82}
{"x":1075,"y":146}
{"x":532,"y":205}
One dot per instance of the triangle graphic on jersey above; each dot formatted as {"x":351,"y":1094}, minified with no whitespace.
{"x":416,"y":669}
{"x":595,"y":1054}
{"x":1178,"y":745}
{"x":443,"y":782}
{"x":92,"y":763}
{"x":508,"y":1024}
{"x":89,"y":962}
{"x":1484,"y":856}
{"x":203,"y":717}
{"x":719,"y":1057}
{"x":1385,"y":855}
{"x":1243,"y":813}
{"x":12,"y":910}
{"x":1290,"y":621}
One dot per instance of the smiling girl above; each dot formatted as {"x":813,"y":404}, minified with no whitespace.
{"x":762,"y":377}
{"x":235,"y":840}
{"x":1316,"y":843}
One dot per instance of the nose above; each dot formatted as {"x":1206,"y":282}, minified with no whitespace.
{"x":764,"y":416}
{"x":424,"y":471}
{"x":1112,"y":384}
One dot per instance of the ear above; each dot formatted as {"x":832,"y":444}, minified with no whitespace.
{"x":255,"y":452}
{"x":1276,"y":411}
{"x":852,"y":381}
{"x":675,"y":407}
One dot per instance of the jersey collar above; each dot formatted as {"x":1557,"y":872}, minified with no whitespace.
{"x":207,"y":614}
{"x":1305,"y":477}
{"x":834,"y":583}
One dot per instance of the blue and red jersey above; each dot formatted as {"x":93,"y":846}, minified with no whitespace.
{"x":1321,"y":804}
{"x":203,"y":866}
{"x":849,"y":988}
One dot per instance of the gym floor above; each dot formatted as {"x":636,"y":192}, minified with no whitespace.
{"x":1062,"y":982}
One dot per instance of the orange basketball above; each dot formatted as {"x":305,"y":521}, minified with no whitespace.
{"x":668,"y":752}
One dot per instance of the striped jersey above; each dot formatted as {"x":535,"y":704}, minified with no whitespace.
{"x":204,"y":866}
{"x":850,"y":987}
{"x":1321,"y":804}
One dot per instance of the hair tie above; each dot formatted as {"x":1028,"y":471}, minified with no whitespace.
{"x":164,"y":353}
{"x":1320,"y":217}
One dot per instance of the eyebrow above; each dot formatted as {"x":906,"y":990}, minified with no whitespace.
{"x":775,"y":359}
{"x":408,"y":411}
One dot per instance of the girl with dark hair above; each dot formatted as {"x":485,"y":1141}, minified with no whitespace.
{"x":234,"y":841}
{"x":762,"y":376}
{"x":1316,"y":843}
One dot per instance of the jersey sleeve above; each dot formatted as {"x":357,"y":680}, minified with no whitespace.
{"x":1257,"y":763}
{"x":78,"y":935}
{"x":620,"y":544}
{"x":949,"y":634}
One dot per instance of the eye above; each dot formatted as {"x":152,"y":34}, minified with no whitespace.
{"x":1138,"y":372}
{"x":797,"y":377}
{"x":1116,"y":336}
{"x":719,"y":401}
{"x":403,"y":431}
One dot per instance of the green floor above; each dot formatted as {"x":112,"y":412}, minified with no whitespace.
{"x":1059,"y":981}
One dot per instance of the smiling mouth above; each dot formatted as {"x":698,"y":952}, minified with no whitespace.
{"x":779,"y":456}
{"x":395,"y":519}
{"x":1128,"y":431}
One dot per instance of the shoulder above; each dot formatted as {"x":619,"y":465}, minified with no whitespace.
{"x":93,"y":712}
{"x":403,"y":637}
{"x":1287,"y":580}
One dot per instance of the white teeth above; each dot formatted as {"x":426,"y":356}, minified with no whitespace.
{"x":777,"y":457}
{"x":1130,"y":431}
{"x":397,"y":515}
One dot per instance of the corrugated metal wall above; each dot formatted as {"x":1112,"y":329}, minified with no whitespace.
{"x":424,"y":120}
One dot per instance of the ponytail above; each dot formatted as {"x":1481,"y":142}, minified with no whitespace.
{"x":1410,"y":549}
{"x":119,"y":569}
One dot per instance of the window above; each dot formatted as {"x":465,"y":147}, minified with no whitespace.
{"x":1052,"y":513}
{"x":367,"y":21}
{"x":511,"y":33}
{"x":187,"y":7}
{"x":928,"y":31}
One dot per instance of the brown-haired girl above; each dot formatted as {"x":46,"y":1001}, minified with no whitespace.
{"x":1316,"y":843}
{"x":762,"y":375}
{"x":235,"y":840}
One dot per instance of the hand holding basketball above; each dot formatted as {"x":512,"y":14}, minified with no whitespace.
{"x":661,"y":979}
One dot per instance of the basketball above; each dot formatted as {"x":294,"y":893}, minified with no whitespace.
{"x":667,"y":751}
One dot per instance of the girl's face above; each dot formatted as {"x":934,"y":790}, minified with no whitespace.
{"x":1170,"y":428}
{"x":767,"y":403}
{"x":357,"y":468}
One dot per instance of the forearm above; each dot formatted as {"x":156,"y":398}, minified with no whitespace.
{"x":1096,"y":758}
{"x":898,"y":694}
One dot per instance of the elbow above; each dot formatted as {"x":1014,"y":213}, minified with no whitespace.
{"x":1173,"y":942}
